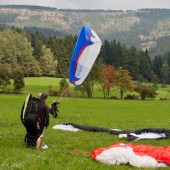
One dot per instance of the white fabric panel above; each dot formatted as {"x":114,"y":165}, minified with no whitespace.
{"x":121,"y":155}
{"x":149,"y":135}
{"x":66,"y":127}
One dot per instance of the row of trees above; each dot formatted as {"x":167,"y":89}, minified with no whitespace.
{"x":110,"y":80}
{"x":108,"y":77}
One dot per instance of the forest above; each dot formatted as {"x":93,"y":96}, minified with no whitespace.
{"x":24,"y":54}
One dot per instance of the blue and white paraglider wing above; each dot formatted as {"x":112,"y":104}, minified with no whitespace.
{"x":84,"y":55}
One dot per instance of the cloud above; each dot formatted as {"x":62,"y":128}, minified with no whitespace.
{"x":49,"y":3}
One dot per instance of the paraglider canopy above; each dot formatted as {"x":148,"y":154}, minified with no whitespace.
{"x":84,"y":55}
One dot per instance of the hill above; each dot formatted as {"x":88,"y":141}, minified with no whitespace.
{"x":144,"y":28}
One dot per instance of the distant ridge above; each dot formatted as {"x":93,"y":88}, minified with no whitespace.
{"x":144,"y":28}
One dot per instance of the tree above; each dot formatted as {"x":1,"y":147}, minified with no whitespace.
{"x":61,"y":54}
{"x":106,"y":53}
{"x":63,"y":84}
{"x":38,"y":40}
{"x":47,"y":63}
{"x":91,"y":79}
{"x":64,"y":88}
{"x":157,"y":64}
{"x":168,"y":59}
{"x":18,"y":78}
{"x":5,"y":75}
{"x":37,"y":53}
{"x":155,"y":81}
{"x":145,"y":65}
{"x":123,"y":81}
{"x":165,"y":73}
{"x":132,"y":62}
{"x":116,"y":54}
{"x":106,"y":78}
{"x":69,"y":43}
{"x":15,"y":50}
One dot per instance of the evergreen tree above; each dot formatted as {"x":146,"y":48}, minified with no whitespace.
{"x":120,"y":57}
{"x":69,"y":44}
{"x":168,"y":60}
{"x":38,"y":40}
{"x":61,"y":54}
{"x":157,"y":64}
{"x":145,"y":66}
{"x":52,"y":44}
{"x":132,"y":62}
{"x":165,"y":73}
{"x":37,"y":53}
{"x":116,"y":54}
{"x":107,"y":53}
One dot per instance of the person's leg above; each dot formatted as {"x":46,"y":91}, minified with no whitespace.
{"x":41,"y":132}
{"x":38,"y":143}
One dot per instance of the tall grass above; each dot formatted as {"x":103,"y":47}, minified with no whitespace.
{"x":121,"y":114}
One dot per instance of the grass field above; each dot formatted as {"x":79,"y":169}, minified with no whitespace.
{"x":121,"y":114}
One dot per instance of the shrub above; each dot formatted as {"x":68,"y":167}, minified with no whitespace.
{"x":163,"y":85}
{"x":63,"y":84}
{"x":53,"y":91}
{"x":131,"y":97}
{"x":145,"y":91}
{"x":114,"y":97}
{"x":65,"y":93}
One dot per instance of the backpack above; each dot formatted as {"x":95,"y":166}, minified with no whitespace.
{"x":31,"y":114}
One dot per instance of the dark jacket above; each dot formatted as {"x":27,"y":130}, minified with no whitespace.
{"x":46,"y":115}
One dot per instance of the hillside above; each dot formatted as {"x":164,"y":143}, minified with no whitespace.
{"x":144,"y":28}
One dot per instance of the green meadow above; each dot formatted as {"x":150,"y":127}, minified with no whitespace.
{"x":68,"y":150}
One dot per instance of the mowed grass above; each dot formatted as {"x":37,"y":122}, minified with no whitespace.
{"x":67,"y":150}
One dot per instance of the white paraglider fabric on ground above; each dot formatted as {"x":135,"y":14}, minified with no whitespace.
{"x":144,"y":134}
{"x":148,"y":135}
{"x":66,"y":127}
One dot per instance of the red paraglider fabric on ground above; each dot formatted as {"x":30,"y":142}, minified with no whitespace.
{"x":135,"y":155}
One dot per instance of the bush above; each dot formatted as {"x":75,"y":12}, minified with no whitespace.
{"x":131,"y":97}
{"x":66,"y":93}
{"x":163,"y":85}
{"x":114,"y":97}
{"x":145,"y":91}
{"x":164,"y":98}
{"x":53,"y":91}
{"x":7,"y":90}
{"x":63,"y":84}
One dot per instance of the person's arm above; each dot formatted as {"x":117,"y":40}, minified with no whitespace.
{"x":46,"y":115}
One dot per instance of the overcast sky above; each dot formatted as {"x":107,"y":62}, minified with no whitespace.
{"x":93,"y":4}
